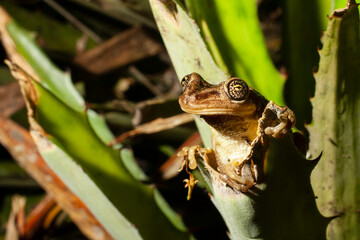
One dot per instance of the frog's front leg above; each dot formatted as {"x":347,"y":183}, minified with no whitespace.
{"x":276,"y":121}
{"x":189,"y":155}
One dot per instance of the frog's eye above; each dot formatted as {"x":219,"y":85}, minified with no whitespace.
{"x":237,"y":89}
{"x":185,"y":82}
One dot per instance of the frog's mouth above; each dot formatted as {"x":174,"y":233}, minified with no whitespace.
{"x":207,"y":111}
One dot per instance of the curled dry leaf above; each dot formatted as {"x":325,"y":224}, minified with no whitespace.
{"x":36,"y":217}
{"x":120,"y":50}
{"x":171,"y":167}
{"x":155,"y":126}
{"x":14,"y":224}
{"x":21,"y":146}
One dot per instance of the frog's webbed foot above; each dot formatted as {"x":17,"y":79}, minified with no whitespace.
{"x":189,"y":161}
{"x":276,"y":121}
{"x":240,"y":178}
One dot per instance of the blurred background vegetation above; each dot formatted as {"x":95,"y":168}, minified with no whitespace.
{"x":127,"y":78}
{"x":119,"y":65}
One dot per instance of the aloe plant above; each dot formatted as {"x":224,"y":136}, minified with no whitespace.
{"x":109,"y":189}
{"x":335,"y":130}
{"x":240,"y":45}
{"x":286,"y":204}
{"x":314,"y":198}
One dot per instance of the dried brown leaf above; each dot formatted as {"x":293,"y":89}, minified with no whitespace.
{"x":37,"y":215}
{"x":122,"y":49}
{"x":13,"y":226}
{"x":170,"y":168}
{"x":19,"y":143}
{"x":155,"y":126}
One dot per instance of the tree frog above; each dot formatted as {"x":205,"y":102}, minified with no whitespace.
{"x":241,"y":120}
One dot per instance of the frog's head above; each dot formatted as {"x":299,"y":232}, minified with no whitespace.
{"x":231,"y":97}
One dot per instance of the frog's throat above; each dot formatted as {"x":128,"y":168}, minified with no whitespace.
{"x":231,"y":150}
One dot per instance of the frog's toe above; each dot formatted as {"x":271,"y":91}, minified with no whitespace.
{"x":278,"y":131}
{"x":287,"y":121}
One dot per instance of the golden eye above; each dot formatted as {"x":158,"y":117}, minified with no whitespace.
{"x":185,"y":81}
{"x":237,"y":89}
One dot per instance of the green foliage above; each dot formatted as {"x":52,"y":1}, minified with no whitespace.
{"x":335,"y":130}
{"x":253,"y":215}
{"x":57,"y":109}
{"x":235,"y":28}
{"x":282,"y":207}
{"x":301,"y":40}
{"x":79,"y":183}
{"x":285,"y":205}
{"x":226,"y":39}
{"x":55,"y":36}
{"x":186,"y":48}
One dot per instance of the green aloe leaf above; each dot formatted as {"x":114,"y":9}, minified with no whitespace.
{"x":337,"y":4}
{"x":268,"y":213}
{"x":81,"y":135}
{"x":335,"y":130}
{"x":79,"y":182}
{"x":184,"y":43}
{"x":186,"y":48}
{"x":301,"y":40}
{"x":234,"y":27}
{"x":55,"y":36}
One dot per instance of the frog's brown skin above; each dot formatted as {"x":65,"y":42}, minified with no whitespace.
{"x":240,"y":120}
